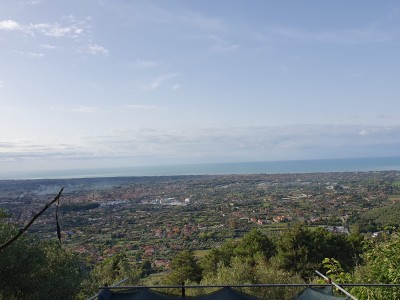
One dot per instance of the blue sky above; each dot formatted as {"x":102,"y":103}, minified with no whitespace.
{"x":90,"y":84}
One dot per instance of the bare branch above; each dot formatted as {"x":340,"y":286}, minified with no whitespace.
{"x":22,"y":230}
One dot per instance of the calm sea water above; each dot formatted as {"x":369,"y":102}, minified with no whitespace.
{"x":270,"y":167}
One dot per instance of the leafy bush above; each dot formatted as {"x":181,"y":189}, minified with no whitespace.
{"x":33,"y":269}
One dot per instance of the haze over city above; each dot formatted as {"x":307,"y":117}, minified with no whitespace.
{"x":97,"y":84}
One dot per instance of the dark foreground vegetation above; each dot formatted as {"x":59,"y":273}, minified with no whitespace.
{"x":202,"y":230}
{"x":34,"y":269}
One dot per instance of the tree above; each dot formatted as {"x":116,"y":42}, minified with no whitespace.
{"x":184,"y":267}
{"x":335,"y":271}
{"x":302,"y":250}
{"x":381,"y":266}
{"x":146,"y":268}
{"x":242,"y":272}
{"x":110,"y":271}
{"x":294,"y":251}
{"x":3,"y":214}
{"x":33,"y":269}
{"x":6,"y":243}
{"x":216,"y":256}
{"x":254,"y":244}
{"x":210,"y":261}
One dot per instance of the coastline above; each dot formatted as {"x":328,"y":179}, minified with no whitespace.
{"x":263,"y":167}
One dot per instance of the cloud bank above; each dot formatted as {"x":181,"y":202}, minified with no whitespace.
{"x":73,"y":29}
{"x":226,"y":144}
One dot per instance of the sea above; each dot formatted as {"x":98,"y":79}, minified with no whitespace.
{"x":262,"y":167}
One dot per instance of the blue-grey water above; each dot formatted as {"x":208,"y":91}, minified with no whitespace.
{"x":266,"y":167}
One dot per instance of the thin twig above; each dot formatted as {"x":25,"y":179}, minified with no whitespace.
{"x":22,"y":230}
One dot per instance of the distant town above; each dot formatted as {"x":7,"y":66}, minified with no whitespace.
{"x":154,"y":218}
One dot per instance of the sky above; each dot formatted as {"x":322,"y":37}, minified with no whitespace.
{"x":118,"y":83}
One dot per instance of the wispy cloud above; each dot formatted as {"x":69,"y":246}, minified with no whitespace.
{"x":157,"y":82}
{"x":86,"y":109}
{"x":56,"y":30}
{"x":67,"y":27}
{"x":45,"y":46}
{"x":143,"y":107}
{"x":144,"y":64}
{"x":176,"y":87}
{"x":149,"y":12}
{"x":33,"y":2}
{"x":203,"y":22}
{"x":31,"y":54}
{"x":73,"y":29}
{"x":349,"y":36}
{"x":35,"y":54}
{"x":1,"y":84}
{"x":217,"y":43}
{"x":95,"y":49}
{"x":222,"y":45}
{"x":29,"y":150}
{"x":235,"y":143}
{"x":79,"y":109}
{"x":10,"y":25}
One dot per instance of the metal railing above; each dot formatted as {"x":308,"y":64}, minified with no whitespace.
{"x":113,"y":286}
{"x":337,"y":286}
{"x":183,"y":287}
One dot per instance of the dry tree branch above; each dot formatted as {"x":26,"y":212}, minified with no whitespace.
{"x":22,"y":230}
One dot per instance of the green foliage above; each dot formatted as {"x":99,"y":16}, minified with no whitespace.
{"x":79,"y":206}
{"x":110,"y":271}
{"x":294,"y":251}
{"x":385,"y":262}
{"x":262,"y":271}
{"x":382,"y":265}
{"x":237,"y":272}
{"x":253,"y":245}
{"x":379,"y":218}
{"x":32,"y":269}
{"x":217,"y":256}
{"x":269,"y":272}
{"x":302,"y":250}
{"x":335,"y":271}
{"x":211,"y":260}
{"x":146,"y":268}
{"x":3,"y":214}
{"x":184,"y":267}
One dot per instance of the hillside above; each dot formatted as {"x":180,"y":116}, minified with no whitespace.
{"x":378,"y":218}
